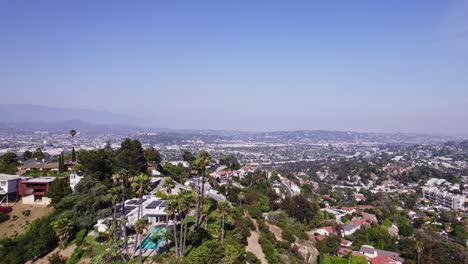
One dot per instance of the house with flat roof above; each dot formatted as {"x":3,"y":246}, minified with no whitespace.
{"x":8,"y":187}
{"x":33,"y":190}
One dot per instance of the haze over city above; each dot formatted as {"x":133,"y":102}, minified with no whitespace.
{"x":393,"y":66}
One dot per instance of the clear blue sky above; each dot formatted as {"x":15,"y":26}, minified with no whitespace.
{"x":245,"y":65}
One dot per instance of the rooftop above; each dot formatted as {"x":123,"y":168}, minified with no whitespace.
{"x":8,"y":177}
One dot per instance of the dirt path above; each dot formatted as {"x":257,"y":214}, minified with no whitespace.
{"x":19,"y":220}
{"x":253,"y":245}
{"x":277,"y":231}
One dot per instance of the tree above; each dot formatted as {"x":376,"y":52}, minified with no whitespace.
{"x":140,"y":226}
{"x":188,"y":156}
{"x":8,"y":163}
{"x":98,"y":164}
{"x":27,"y":155}
{"x":61,"y":163}
{"x":230,"y":161}
{"x":62,"y":229}
{"x":153,"y":155}
{"x":73,"y":157}
{"x":122,"y":179}
{"x":141,"y":185}
{"x":223,"y":208}
{"x":72,"y":133}
{"x":38,"y":154}
{"x":332,"y":244}
{"x":131,"y":157}
{"x":199,"y":166}
{"x":58,"y":189}
{"x":114,"y":196}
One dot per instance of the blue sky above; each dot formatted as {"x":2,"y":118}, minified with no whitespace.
{"x":244,"y":65}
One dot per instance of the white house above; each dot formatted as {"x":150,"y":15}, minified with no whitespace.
{"x":74,"y":180}
{"x":8,"y":184}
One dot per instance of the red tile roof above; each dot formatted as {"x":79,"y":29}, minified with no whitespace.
{"x":381,"y":260}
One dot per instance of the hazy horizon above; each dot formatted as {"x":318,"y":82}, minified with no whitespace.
{"x":362,"y":66}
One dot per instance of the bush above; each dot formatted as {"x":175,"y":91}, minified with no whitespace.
{"x":254,"y":211}
{"x":251,"y":258}
{"x":288,"y":235}
{"x":269,"y":250}
{"x":26,"y":212}
{"x":79,"y":237}
{"x":75,"y":256}
{"x":3,"y":217}
{"x":56,"y":259}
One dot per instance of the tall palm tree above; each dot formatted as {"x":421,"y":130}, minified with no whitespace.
{"x":122,"y":178}
{"x":172,"y":209}
{"x":73,"y":133}
{"x":114,"y":195}
{"x":223,"y":208}
{"x":141,"y":185}
{"x":199,"y":165}
{"x":187,"y":201}
{"x":140,"y":226}
{"x":62,"y":229}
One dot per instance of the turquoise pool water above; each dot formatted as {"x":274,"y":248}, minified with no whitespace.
{"x":148,"y":242}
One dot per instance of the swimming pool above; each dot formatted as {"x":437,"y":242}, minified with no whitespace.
{"x":148,"y":242}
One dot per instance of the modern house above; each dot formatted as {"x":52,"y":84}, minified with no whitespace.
{"x":33,"y":190}
{"x":8,"y":187}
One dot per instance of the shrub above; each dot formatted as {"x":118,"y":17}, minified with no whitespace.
{"x":3,"y":217}
{"x":56,"y":259}
{"x":75,"y":256}
{"x":251,"y":258}
{"x":288,"y":235}
{"x":79,"y":237}
{"x":26,"y":212}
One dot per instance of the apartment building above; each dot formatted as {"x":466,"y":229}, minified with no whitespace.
{"x":446,"y":199}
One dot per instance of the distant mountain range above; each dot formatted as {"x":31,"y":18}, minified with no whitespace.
{"x":20,"y":117}
{"x":24,"y":113}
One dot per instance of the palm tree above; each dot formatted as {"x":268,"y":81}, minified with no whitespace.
{"x":241,"y":196}
{"x":62,"y":229}
{"x":199,"y":165}
{"x":114,"y":195}
{"x":140,"y":226}
{"x":187,"y":201}
{"x":169,"y":184}
{"x":122,"y":178}
{"x":172,"y":209}
{"x":73,"y":133}
{"x":141,"y":185}
{"x":223,"y":208}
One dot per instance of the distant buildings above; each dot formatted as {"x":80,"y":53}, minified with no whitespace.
{"x":446,"y":199}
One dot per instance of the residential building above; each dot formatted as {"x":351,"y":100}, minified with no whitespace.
{"x":8,"y":187}
{"x":446,"y":199}
{"x":33,"y":190}
{"x":8,"y":184}
{"x":74,"y":180}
